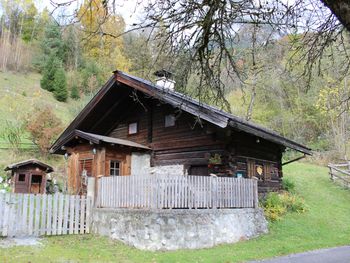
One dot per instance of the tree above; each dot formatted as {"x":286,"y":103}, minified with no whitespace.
{"x":30,"y":26}
{"x":52,"y":45}
{"x":341,"y":9}
{"x":99,"y":26}
{"x":51,"y":65}
{"x":60,"y":91}
{"x":208,"y":31}
{"x":43,"y":127}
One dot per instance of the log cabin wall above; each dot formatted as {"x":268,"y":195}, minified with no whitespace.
{"x":120,"y":154}
{"x":188,"y":142}
{"x":192,"y":144}
{"x":82,"y":158}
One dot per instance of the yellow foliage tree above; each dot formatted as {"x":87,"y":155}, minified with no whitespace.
{"x":101,"y":31}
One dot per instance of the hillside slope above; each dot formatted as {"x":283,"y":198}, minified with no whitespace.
{"x":20,"y":96}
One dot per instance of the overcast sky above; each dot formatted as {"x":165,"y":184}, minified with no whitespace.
{"x":129,"y":9}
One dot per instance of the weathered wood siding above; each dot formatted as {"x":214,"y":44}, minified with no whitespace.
{"x":27,"y":186}
{"x":191,"y":142}
{"x":37,"y":215}
{"x":99,"y":163}
{"x":176,"y":191}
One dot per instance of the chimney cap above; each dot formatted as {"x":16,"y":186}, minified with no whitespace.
{"x":163,"y":73}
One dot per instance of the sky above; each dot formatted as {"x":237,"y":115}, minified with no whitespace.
{"x":130,"y":10}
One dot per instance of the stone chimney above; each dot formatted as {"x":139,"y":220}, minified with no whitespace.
{"x":164,"y":79}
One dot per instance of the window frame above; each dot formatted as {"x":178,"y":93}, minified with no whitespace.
{"x":18,"y":177}
{"x":165,"y":120}
{"x":137,"y":127}
{"x":114,"y":168}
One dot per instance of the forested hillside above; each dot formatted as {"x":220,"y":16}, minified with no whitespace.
{"x":49,"y":69}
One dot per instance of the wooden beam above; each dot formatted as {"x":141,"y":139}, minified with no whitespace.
{"x":294,"y":160}
{"x":109,"y":111}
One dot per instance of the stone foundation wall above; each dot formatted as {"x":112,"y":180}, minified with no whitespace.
{"x":167,"y":169}
{"x":178,"y":229}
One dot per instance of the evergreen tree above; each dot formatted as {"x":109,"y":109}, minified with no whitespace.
{"x":74,"y":93}
{"x":47,"y":82}
{"x":60,"y":85}
{"x":52,"y":44}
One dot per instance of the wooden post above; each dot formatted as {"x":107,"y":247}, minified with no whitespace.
{"x":95,"y":199}
{"x":256,"y":193}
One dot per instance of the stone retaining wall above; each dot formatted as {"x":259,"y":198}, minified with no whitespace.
{"x":178,"y":229}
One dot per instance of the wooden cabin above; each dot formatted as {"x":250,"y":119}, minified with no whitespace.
{"x":29,"y":176}
{"x":133,"y":126}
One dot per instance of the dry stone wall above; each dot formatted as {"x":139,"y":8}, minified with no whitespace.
{"x":179,"y":229}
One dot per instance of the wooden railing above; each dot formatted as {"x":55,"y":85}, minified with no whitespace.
{"x":341,"y":173}
{"x":176,"y":191}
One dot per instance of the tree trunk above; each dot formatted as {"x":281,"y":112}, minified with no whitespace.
{"x":341,"y":9}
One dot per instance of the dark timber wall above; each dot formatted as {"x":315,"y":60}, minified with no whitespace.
{"x":193,"y":144}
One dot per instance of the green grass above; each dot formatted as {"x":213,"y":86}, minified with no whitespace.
{"x":325,"y":224}
{"x":21,"y":94}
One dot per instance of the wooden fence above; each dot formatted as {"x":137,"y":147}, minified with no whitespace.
{"x":340,"y":173}
{"x":167,"y":191}
{"x":37,"y":215}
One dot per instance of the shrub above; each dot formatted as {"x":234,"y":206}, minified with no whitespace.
{"x":288,"y":185}
{"x":74,"y":93}
{"x":43,"y":127}
{"x":278,"y":204}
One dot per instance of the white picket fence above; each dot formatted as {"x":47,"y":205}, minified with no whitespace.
{"x":177,"y":191}
{"x":37,"y":215}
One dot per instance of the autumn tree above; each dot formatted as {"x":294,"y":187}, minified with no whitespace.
{"x":99,"y":27}
{"x":43,"y":127}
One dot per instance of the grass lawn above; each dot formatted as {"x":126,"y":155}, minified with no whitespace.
{"x":325,"y":224}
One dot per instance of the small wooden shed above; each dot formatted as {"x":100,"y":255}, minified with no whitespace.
{"x":29,"y":176}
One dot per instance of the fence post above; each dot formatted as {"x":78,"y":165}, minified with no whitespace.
{"x":256,"y":193}
{"x":214,"y":189}
{"x":91,"y":189}
{"x":331,"y":172}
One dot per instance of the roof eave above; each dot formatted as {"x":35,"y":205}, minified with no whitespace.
{"x":271,"y":137}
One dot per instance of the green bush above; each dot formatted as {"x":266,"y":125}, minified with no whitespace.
{"x":74,"y":93}
{"x":278,"y":204}
{"x":288,"y":185}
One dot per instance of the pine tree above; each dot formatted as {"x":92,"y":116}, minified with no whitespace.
{"x":74,"y":93}
{"x":60,"y":85}
{"x":47,"y":82}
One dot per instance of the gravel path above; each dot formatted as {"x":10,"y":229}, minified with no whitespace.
{"x":328,"y":255}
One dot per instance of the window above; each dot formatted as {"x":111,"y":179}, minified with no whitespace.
{"x":132,"y":129}
{"x":114,"y":169}
{"x":169,"y":120}
{"x":21,"y":177}
{"x":201,"y":170}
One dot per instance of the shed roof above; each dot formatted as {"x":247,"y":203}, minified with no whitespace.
{"x":97,"y":139}
{"x":35,"y":162}
{"x":203,"y":111}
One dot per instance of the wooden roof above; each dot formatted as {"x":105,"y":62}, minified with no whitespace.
{"x":97,"y":139}
{"x":204,"y":111}
{"x":34,"y":162}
